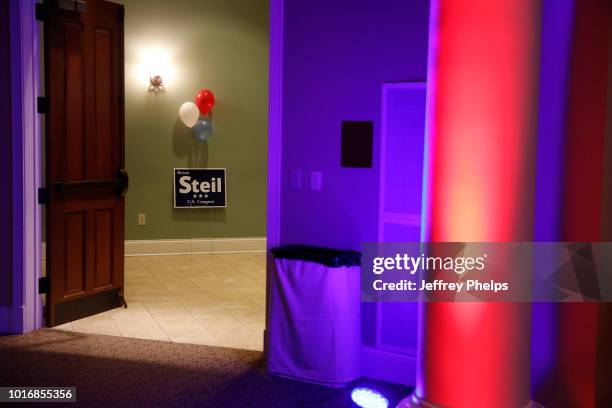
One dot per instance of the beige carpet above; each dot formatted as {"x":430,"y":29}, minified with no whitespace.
{"x":123,"y":372}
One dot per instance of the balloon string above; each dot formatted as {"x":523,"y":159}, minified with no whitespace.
{"x":191,"y":143}
{"x":199,"y":156}
{"x":195,"y":157}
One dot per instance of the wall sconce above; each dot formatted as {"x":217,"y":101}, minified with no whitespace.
{"x":154,"y":68}
{"x":156,"y":83}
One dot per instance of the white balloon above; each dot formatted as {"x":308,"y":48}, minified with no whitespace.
{"x":189,"y":114}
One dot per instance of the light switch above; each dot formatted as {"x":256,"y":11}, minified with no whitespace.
{"x":316,"y":180}
{"x":295,"y":180}
{"x":141,"y":219}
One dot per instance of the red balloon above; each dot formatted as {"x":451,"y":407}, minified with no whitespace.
{"x":205,"y":100}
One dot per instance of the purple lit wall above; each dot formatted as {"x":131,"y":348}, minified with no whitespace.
{"x":21,"y":310}
{"x":557,"y":17}
{"x":6,"y":172}
{"x":337,"y":55}
{"x":556,"y":35}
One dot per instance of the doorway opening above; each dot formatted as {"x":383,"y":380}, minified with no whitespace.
{"x":130,"y":261}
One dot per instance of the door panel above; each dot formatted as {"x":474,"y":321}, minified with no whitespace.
{"x":73,"y":114}
{"x":103,"y":273}
{"x":74,"y":273}
{"x":85,"y":155}
{"x":104,"y":106}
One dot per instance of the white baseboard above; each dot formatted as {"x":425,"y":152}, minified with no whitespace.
{"x":190,"y":246}
{"x":386,"y":366}
{"x":166,"y":247}
{"x":194,"y":246}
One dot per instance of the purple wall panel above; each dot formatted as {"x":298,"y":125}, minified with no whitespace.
{"x":557,"y":17}
{"x":557,"y":24}
{"x":23,"y":312}
{"x":6,"y":173}
{"x":337,"y":55}
{"x":402,"y":154}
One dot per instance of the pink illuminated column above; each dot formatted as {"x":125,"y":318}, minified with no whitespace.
{"x":482,"y":116}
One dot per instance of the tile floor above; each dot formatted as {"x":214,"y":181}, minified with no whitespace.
{"x":215,"y":300}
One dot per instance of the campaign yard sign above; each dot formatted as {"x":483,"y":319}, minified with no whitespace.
{"x":199,"y":188}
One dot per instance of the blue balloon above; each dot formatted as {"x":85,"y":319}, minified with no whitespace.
{"x":202,"y":130}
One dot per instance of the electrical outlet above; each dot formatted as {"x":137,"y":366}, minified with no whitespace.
{"x":141,"y":219}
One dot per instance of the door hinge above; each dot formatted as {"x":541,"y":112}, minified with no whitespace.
{"x":42,"y":104}
{"x":40,"y":11}
{"x":43,"y":195}
{"x":79,"y":6}
{"x":44,"y":285}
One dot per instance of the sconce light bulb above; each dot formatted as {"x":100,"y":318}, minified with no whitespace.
{"x":156,"y":83}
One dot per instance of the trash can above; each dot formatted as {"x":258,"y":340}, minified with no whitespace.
{"x":315,"y":315}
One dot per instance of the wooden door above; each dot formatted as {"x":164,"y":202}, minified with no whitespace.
{"x":84,"y":136}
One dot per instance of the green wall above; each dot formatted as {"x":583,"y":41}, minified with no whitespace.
{"x":218,"y":44}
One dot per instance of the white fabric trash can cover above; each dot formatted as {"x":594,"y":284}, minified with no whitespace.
{"x":315,"y":319}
